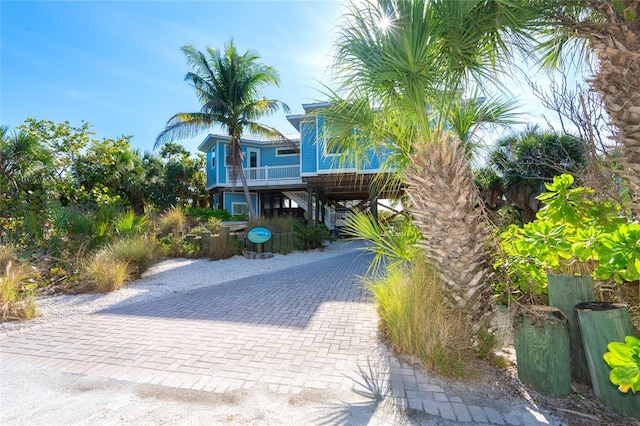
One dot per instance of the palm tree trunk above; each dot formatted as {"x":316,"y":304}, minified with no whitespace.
{"x":448,"y":210}
{"x":617,"y":44}
{"x":245,"y":189}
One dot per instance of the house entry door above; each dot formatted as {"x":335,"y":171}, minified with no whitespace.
{"x":254,"y":163}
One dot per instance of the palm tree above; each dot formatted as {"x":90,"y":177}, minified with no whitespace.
{"x":229,"y":87}
{"x":609,"y":29}
{"x":529,"y":159}
{"x":403,"y":68}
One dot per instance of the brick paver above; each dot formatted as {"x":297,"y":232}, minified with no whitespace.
{"x":310,"y":326}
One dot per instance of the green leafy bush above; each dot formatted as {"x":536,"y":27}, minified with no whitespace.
{"x":573,"y":233}
{"x":624,"y":360}
{"x":206,"y":214}
{"x":312,"y":236}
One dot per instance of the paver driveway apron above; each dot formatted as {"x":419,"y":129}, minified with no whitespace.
{"x":307,"y":327}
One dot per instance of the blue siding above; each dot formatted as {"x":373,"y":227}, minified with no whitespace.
{"x":308,"y":146}
{"x":211,"y":171}
{"x":238,"y":197}
{"x":269,"y":157}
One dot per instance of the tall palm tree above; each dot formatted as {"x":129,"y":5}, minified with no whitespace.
{"x":609,"y":29}
{"x":229,"y":86}
{"x":411,"y":62}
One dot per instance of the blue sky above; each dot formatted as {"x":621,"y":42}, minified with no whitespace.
{"x":118,"y":65}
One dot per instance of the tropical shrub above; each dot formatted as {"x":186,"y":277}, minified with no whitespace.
{"x":416,"y":319}
{"x":624,"y":360}
{"x":128,"y":224}
{"x":206,"y":214}
{"x":312,"y":236}
{"x":573,"y":233}
{"x":210,"y":225}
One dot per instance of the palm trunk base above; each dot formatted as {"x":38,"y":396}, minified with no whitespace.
{"x":450,"y":214}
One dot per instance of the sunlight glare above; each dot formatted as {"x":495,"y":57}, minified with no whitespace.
{"x":384,"y":23}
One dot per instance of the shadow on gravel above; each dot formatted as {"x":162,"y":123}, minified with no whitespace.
{"x":288,"y":297}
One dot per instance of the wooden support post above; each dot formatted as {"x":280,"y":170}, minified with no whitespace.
{"x":373,"y":201}
{"x":310,"y":205}
{"x":317,"y":215}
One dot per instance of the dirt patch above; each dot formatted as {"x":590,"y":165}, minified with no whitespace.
{"x":190,"y":396}
{"x":580,"y":408}
{"x":307,"y":396}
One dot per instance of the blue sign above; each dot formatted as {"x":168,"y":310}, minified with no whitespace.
{"x":259,"y":235}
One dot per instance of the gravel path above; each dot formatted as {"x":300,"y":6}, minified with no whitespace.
{"x":173,"y":276}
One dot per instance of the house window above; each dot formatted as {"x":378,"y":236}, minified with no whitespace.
{"x":213,"y":158}
{"x":239,"y":208}
{"x":331,"y":141}
{"x":283,"y":152}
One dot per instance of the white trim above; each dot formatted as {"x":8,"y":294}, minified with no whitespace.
{"x":337,"y":171}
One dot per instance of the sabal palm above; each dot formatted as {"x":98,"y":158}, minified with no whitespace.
{"x":413,"y":71}
{"x":229,"y":85}
{"x":531,"y":158}
{"x":611,"y":30}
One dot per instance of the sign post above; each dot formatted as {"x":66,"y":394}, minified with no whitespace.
{"x":259,"y":236}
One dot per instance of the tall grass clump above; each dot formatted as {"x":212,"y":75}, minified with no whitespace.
{"x":16,"y":297}
{"x":173,"y":221}
{"x":415,"y":318}
{"x":103,"y":274}
{"x":224,"y":247}
{"x":139,"y":252}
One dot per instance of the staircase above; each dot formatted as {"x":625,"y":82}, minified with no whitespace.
{"x":301,"y":198}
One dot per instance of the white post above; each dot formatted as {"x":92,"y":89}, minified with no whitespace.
{"x":266,"y":174}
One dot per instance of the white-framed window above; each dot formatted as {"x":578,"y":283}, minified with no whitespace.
{"x":286,"y":152}
{"x":330,"y":141}
{"x":213,"y":158}
{"x":239,"y":208}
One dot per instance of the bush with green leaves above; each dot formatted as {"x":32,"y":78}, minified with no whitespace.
{"x":624,"y":360}
{"x":205,"y":214}
{"x":574,"y":232}
{"x":312,"y":236}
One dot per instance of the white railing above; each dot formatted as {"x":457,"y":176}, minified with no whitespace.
{"x":266,"y":174}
